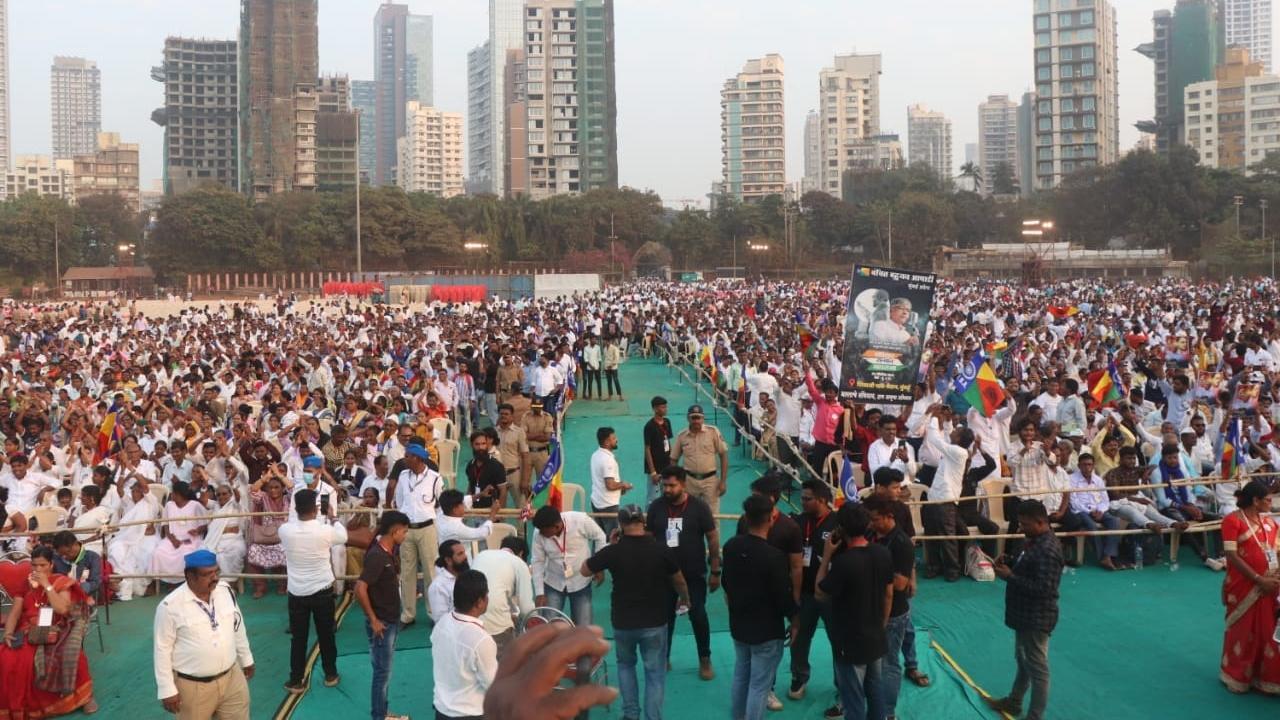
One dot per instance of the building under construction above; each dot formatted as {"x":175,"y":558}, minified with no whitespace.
{"x":279,"y":64}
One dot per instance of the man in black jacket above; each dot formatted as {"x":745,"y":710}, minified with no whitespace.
{"x":757,"y":587}
{"x":1031,"y":609}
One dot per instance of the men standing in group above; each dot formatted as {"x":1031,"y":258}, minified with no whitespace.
{"x":948,"y":484}
{"x":464,"y":659}
{"x":706,"y":459}
{"x":510,"y":589}
{"x":645,"y":575}
{"x":858,"y":582}
{"x":886,"y":532}
{"x":378,"y":592}
{"x":487,"y":478}
{"x":538,"y":427}
{"x":416,"y":491}
{"x":513,"y":451}
{"x":816,"y":524}
{"x":202,"y":665}
{"x":563,"y":542}
{"x":1031,"y":609}
{"x":606,"y":477}
{"x":592,"y":358}
{"x":686,"y":526}
{"x":452,"y":562}
{"x":547,"y":381}
{"x":308,"y":546}
{"x":657,"y":448}
{"x":758,"y":592}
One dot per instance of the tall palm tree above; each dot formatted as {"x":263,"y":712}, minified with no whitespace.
{"x":973,"y":172}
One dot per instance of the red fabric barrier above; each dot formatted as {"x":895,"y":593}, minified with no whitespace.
{"x":459,"y":293}
{"x":359,"y":289}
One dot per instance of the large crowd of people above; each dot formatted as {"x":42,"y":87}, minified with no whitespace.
{"x":129,"y":439}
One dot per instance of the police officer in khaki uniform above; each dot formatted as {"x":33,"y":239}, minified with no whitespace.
{"x":519,"y":404}
{"x":699,"y":446}
{"x":513,"y":451}
{"x":538,"y":427}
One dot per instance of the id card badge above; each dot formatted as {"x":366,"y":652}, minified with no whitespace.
{"x":46,"y":617}
{"x":673,"y":531}
{"x":1271,"y":558}
{"x":808,"y":555}
{"x":568,"y":572}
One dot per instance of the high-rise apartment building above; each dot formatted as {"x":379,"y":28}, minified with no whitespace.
{"x":5,"y":139}
{"x":1187,"y":44}
{"x":42,"y":175}
{"x":570,"y":107}
{"x":753,"y":130}
{"x":849,"y":112}
{"x":111,"y":170}
{"x":486,"y":70}
{"x":1026,"y":143}
{"x":76,"y":93}
{"x":200,"y":115}
{"x":812,"y":152}
{"x":337,"y":135}
{"x":402,"y":53}
{"x":877,"y":152}
{"x":1077,"y":86}
{"x":1233,"y":121}
{"x":430,"y":153}
{"x":997,"y":138}
{"x":1248,"y":24}
{"x":364,"y":102}
{"x":516,"y":138}
{"x":279,"y":64}
{"x":929,"y":140}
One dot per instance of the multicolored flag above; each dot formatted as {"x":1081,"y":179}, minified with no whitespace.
{"x":978,"y":385}
{"x":1108,"y":387}
{"x":996,"y":350}
{"x":1062,"y":312}
{"x":1230,"y":464}
{"x":806,"y":337}
{"x":551,"y":478}
{"x":848,"y":484}
{"x":708,"y":361}
{"x":110,"y":435}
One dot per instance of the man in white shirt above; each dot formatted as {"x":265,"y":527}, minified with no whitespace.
{"x":308,"y":544}
{"x":416,"y":493}
{"x":313,"y":478}
{"x":453,"y":506}
{"x":511,"y":586}
{"x":606,"y":478}
{"x":452,"y":562}
{"x":1049,"y":400}
{"x":180,"y":467}
{"x":889,"y":451}
{"x":200,"y":647}
{"x":563,"y":543}
{"x":25,"y":487}
{"x":944,"y":518}
{"x":547,"y":381}
{"x":592,"y":357}
{"x":464,"y":658}
{"x":1090,"y":511}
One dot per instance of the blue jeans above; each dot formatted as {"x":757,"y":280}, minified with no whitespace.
{"x":753,"y":677}
{"x":892,"y":670}
{"x":652,"y":644}
{"x":909,"y":644}
{"x":381,"y":651}
{"x":579,"y":603}
{"x":861,"y":692}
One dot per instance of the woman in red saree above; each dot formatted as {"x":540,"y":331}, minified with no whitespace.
{"x":1250,"y":653}
{"x":46,"y":674}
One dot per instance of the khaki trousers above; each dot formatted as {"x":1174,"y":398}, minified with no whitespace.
{"x":226,"y":698}
{"x":707,"y":490}
{"x":419,"y":550}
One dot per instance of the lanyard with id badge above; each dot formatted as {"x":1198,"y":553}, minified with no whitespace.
{"x":674,"y":526}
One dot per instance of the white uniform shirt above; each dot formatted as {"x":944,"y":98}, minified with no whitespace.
{"x":416,"y":495}
{"x":308,"y":545}
{"x":197,"y":639}
{"x":556,"y":560}
{"x":464,"y":661}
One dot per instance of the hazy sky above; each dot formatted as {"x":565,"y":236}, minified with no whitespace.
{"x":672,"y":57}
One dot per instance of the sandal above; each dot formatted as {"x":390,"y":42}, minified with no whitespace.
{"x":917,"y":677}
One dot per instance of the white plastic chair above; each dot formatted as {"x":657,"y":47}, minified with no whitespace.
{"x":501,"y":531}
{"x":995,"y":507}
{"x":448,"y":450}
{"x":443,"y":429}
{"x":573,"y":497}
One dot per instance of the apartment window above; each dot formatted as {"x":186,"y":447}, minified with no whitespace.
{"x":1043,"y":39}
{"x":1087,"y":70}
{"x":1090,"y":121}
{"x":1044,"y":56}
{"x":1044,"y":72}
{"x":1086,"y":52}
{"x":1045,"y":123}
{"x":1067,"y":53}
{"x":1042,"y":22}
{"x":1045,"y":107}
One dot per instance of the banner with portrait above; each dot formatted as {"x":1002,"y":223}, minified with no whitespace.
{"x":884,"y":333}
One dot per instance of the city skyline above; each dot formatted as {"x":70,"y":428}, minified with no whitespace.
{"x":951,"y":64}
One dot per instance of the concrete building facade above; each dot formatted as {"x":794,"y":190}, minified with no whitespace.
{"x":364,"y":102}
{"x":430,"y":153}
{"x":486,"y":70}
{"x":515,"y":154}
{"x":1026,"y":144}
{"x":200,"y":115}
{"x":929,"y":140}
{"x":402,"y":54}
{"x":812,"y":152}
{"x":1077,"y":88}
{"x":753,"y":130}
{"x":878,"y":152}
{"x":337,"y":135}
{"x":6,"y":145}
{"x":849,"y":113}
{"x":1233,"y":121}
{"x":1186,"y":45}
{"x":1248,"y":24}
{"x":279,"y":64}
{"x":997,"y":138}
{"x":42,"y":175}
{"x":111,"y":170}
{"x":75,"y":91}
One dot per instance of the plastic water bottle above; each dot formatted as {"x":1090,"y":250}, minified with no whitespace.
{"x":1137,"y":556}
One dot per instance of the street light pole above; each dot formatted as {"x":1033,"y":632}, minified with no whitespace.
{"x":57,"y":267}
{"x":1263,"y":204}
{"x":612,"y":239}
{"x":359,"y":253}
{"x":735,"y":255}
{"x":1238,"y":200}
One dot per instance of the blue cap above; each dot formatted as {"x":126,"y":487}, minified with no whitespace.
{"x":201,"y":559}
{"x":417,"y":451}
{"x":312,"y":461}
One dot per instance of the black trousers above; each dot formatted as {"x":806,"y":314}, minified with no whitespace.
{"x":303,"y":610}
{"x":943,"y":555}
{"x":811,"y":611}
{"x":611,"y":380}
{"x":442,"y":716}
{"x":590,"y":376}
{"x":697,"y":615}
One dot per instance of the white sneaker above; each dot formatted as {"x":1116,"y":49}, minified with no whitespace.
{"x":1215,"y":564}
{"x":772,"y":702}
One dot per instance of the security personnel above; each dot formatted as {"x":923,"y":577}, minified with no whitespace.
{"x":200,"y":648}
{"x":700,"y":446}
{"x":538,"y":428}
{"x":417,"y":491}
{"x":513,"y":451}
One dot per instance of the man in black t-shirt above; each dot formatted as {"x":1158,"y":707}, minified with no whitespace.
{"x":885,"y":532}
{"x":685,"y":525}
{"x":657,"y":447}
{"x":486,"y":476}
{"x":859,"y":583}
{"x":378,"y":592}
{"x":816,"y":523}
{"x":644,"y":575}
